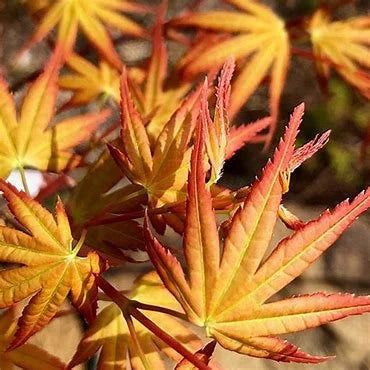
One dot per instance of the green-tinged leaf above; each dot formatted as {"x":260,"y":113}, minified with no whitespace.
{"x":33,"y":142}
{"x":50,"y":266}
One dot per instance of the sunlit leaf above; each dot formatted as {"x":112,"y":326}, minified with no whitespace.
{"x":92,"y":18}
{"x":227,"y":292}
{"x":51,"y":268}
{"x":31,"y":141}
{"x":259,"y":40}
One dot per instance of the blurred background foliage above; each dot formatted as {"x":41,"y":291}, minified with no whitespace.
{"x":341,"y":169}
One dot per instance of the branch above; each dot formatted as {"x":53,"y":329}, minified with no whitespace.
{"x":128,"y":309}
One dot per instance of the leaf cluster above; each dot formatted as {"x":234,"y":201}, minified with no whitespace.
{"x":156,"y":172}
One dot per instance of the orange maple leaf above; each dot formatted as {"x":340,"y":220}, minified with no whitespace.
{"x":162,"y":174}
{"x":31,"y":141}
{"x":227,"y":292}
{"x":343,"y":45}
{"x":52,"y":269}
{"x":91,"y":17}
{"x":259,"y":40}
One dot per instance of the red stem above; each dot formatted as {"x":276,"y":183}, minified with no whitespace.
{"x":173,"y":343}
{"x":150,"y":307}
{"x":128,"y":309}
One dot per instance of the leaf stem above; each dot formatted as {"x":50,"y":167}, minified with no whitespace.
{"x":80,"y":243}
{"x":128,"y":308}
{"x":168,"y":311}
{"x":136,"y":342}
{"x":24,"y":180}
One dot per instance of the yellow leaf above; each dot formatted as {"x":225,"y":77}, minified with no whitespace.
{"x":258,"y":39}
{"x":27,"y":356}
{"x":89,"y":82}
{"x":33,"y":141}
{"x":51,"y":267}
{"x":344,"y":45}
{"x":91,"y":17}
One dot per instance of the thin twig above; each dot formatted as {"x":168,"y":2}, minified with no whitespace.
{"x":24,"y":180}
{"x":136,"y":342}
{"x":168,"y":311}
{"x":128,"y":308}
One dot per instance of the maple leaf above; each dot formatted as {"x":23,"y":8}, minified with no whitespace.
{"x":343,"y":45}
{"x":89,"y":81}
{"x":155,"y":92}
{"x":31,"y":141}
{"x":166,"y":161}
{"x":227,"y":293}
{"x":91,"y":17}
{"x":27,"y":356}
{"x":258,"y":36}
{"x":162,"y":174}
{"x":51,"y":268}
{"x":160,"y":96}
{"x":99,"y":193}
{"x":110,"y":332}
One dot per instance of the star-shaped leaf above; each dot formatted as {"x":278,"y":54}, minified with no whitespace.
{"x":258,"y":39}
{"x":89,"y":82}
{"x":51,"y":267}
{"x":343,"y":45}
{"x":26,"y":356}
{"x":110,"y":332}
{"x":91,"y":17}
{"x":227,"y":292}
{"x":31,"y":141}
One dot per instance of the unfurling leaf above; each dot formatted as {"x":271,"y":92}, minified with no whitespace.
{"x":343,"y":45}
{"x":218,"y":128}
{"x":163,"y":173}
{"x":110,"y":332}
{"x":258,"y":37}
{"x":31,"y":141}
{"x":227,"y":292}
{"x":51,"y":267}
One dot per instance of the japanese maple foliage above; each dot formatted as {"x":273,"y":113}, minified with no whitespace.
{"x":155,"y":171}
{"x":225,"y":291}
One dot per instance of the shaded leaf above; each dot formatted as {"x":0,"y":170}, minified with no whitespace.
{"x":27,"y":356}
